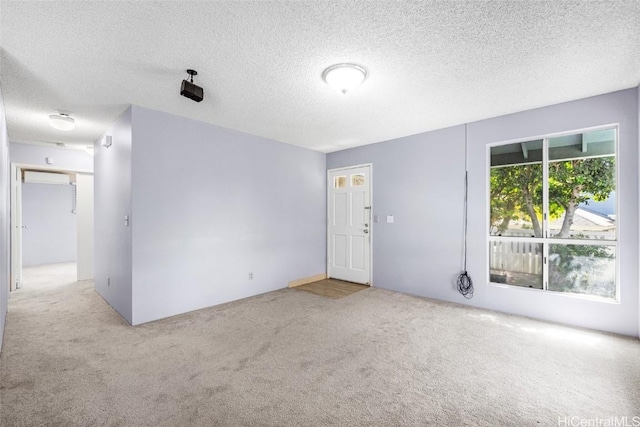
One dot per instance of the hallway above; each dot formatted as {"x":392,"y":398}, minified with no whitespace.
{"x":46,"y":277}
{"x":48,"y":340}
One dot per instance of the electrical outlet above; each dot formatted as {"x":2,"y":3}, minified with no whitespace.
{"x":251,"y":275}
{"x":108,"y":281}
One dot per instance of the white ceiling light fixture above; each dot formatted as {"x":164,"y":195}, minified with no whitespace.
{"x":62,"y":121}
{"x":344,"y":77}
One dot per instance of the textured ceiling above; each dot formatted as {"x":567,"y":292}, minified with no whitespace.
{"x":431,"y":64}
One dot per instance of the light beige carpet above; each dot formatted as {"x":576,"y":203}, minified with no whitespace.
{"x":289,"y":358}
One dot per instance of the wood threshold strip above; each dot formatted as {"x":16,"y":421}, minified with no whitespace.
{"x":306,"y":280}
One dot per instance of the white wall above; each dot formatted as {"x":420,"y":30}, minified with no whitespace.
{"x":63,"y":158}
{"x":420,"y":180}
{"x":4,"y":217}
{"x":112,"y":201}
{"x":211,"y":205}
{"x":49,"y":235}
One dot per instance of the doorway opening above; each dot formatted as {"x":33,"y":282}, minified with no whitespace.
{"x":51,"y":224}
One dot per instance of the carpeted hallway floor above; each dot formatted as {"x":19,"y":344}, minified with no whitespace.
{"x":290,"y":358}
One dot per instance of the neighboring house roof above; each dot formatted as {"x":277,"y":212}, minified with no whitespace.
{"x":605,"y":207}
{"x":586,"y":220}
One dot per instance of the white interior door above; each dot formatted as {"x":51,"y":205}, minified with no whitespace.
{"x":349,"y":246}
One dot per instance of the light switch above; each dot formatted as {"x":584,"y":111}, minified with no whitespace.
{"x":389,"y":219}
{"x":126,"y":220}
{"x":49,"y":160}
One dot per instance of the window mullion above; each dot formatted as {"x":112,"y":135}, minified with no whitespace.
{"x":545,"y":213}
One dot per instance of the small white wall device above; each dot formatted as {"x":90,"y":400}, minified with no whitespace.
{"x":107,"y":141}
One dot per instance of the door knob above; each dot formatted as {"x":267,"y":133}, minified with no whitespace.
{"x":365,"y":231}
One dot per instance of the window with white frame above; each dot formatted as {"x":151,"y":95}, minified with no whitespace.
{"x":553,"y":219}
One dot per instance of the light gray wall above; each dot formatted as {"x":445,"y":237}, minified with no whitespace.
{"x":112,"y":201}
{"x":211,"y":205}
{"x":420,"y":180}
{"x":63,"y":158}
{"x":4,"y":217}
{"x":49,"y":235}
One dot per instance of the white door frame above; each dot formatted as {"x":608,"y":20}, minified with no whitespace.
{"x":344,"y":168}
{"x":84,"y":226}
{"x":16,"y":216}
